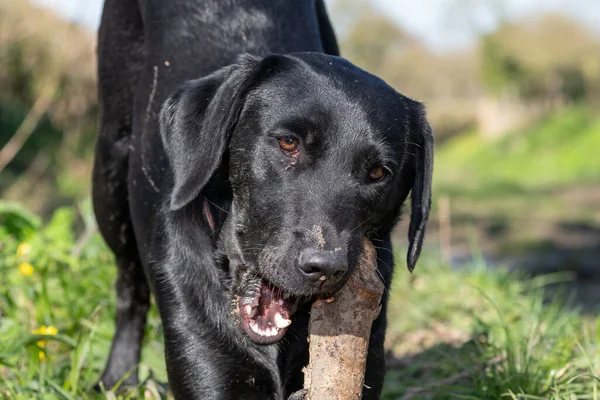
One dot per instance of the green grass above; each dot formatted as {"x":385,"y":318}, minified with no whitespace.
{"x":485,"y":334}
{"x":526,"y":192}
{"x":474,"y":333}
{"x":561,"y":150}
{"x":73,"y":293}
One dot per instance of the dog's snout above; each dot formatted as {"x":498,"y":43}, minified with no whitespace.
{"x":322,"y":267}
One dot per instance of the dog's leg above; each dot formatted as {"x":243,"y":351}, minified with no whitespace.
{"x":375,"y":371}
{"x":132,"y":305}
{"x":120,"y":59}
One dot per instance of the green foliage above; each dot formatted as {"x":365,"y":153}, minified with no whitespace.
{"x":57,"y":305}
{"x":501,"y":72}
{"x":45,"y":136}
{"x":560,"y":150}
{"x":488,"y":335}
{"x":39,"y":50}
{"x":548,"y":57}
{"x":17,"y":222}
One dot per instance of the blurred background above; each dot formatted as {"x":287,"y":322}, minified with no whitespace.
{"x":512,"y":89}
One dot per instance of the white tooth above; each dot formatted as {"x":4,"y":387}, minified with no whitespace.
{"x":251,"y":311}
{"x":248,"y":310}
{"x":266,"y":332}
{"x":281,"y":322}
{"x":280,"y":302}
{"x":254,"y":327}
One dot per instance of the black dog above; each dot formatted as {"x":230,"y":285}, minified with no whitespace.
{"x":248,"y":191}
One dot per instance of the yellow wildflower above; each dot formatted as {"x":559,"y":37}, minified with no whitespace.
{"x":45,"y":330}
{"x":24,"y":249}
{"x":26,"y":269}
{"x":51,"y":330}
{"x":42,"y":355}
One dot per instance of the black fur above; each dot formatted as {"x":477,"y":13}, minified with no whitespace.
{"x":199,"y":202}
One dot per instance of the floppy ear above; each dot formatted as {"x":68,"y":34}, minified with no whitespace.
{"x":196,"y":123}
{"x":422,"y":148}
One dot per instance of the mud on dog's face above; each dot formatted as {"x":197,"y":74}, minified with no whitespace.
{"x":320,"y":154}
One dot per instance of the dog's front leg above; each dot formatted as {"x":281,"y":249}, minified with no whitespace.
{"x":375,"y":371}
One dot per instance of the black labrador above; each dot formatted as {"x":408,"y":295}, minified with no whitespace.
{"x":240,"y":164}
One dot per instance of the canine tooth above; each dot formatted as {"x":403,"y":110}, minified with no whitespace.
{"x":280,"y":302}
{"x":250,"y":311}
{"x":323,"y":278}
{"x":281,"y":322}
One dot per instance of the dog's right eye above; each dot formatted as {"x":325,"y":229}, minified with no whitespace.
{"x":377,"y":174}
{"x":288,"y":144}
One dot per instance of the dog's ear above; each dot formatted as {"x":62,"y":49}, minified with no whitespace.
{"x":196,"y":123}
{"x":421,"y":147}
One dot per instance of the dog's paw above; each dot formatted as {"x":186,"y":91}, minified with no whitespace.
{"x":299,"y":395}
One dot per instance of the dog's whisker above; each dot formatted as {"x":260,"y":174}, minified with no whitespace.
{"x":361,"y":224}
{"x":384,"y":249}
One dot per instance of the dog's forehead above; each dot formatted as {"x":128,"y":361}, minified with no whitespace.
{"x":332,"y":96}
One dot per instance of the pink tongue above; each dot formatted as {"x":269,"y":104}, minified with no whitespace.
{"x":270,"y":303}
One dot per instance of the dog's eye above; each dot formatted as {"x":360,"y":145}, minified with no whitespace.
{"x":288,"y":144}
{"x":376,"y":174}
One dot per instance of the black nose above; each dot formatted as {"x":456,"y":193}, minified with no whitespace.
{"x":322,"y":266}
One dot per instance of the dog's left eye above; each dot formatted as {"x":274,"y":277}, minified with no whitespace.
{"x":288,"y":144}
{"x":376,"y":174}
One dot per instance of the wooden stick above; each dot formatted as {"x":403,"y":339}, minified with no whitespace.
{"x":339,"y":332}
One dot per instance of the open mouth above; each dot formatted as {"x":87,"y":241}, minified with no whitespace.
{"x":265,"y":312}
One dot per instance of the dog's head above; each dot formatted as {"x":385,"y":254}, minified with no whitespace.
{"x":320,"y":155}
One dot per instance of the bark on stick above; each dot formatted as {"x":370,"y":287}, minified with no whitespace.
{"x":339,"y":332}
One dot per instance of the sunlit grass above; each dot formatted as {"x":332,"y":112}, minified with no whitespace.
{"x":57,"y":313}
{"x":559,"y":151}
{"x":489,"y":335}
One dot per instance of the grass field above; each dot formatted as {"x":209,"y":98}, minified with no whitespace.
{"x":558,"y":151}
{"x":533,"y":193}
{"x":473,"y":333}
